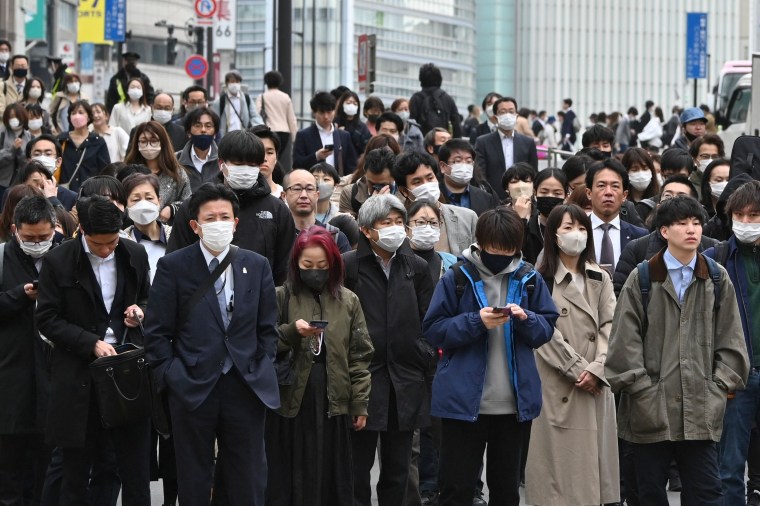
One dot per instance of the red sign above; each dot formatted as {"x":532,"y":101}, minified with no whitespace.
{"x":363,"y":62}
{"x":196,"y":67}
{"x":205,"y":10}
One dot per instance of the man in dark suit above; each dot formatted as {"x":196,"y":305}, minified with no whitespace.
{"x":456,"y":162}
{"x":92,"y":292}
{"x":569,"y":124}
{"x":216,"y":363}
{"x":5,"y":58}
{"x":607,"y":187}
{"x":491,"y":123}
{"x":322,"y":141}
{"x":498,"y":151}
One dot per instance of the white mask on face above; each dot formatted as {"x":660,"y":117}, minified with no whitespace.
{"x":217,"y":235}
{"x":489,"y":111}
{"x":747,"y":233}
{"x":572,"y":243}
{"x":150,"y":153}
{"x":350,"y":109}
{"x":703,"y":165}
{"x":716,"y":189}
{"x":35,"y":93}
{"x":35,"y":124}
{"x":14,"y":123}
{"x":640,"y":180}
{"x":35,"y":249}
{"x":48,"y":162}
{"x":521,"y":189}
{"x":162,"y":117}
{"x":404,"y":115}
{"x":507,"y":121}
{"x":234,"y":88}
{"x":4,"y":57}
{"x":143,"y":212}
{"x":461,"y":173}
{"x":427,"y":191}
{"x":135,"y":93}
{"x":73,"y":87}
{"x":241,"y":177}
{"x":424,"y":238}
{"x":391,"y":238}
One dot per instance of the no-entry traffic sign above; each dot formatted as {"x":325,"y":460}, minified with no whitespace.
{"x":196,"y":66}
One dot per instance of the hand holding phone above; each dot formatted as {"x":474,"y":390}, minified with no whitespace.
{"x":36,"y":283}
{"x":505,"y":310}
{"x":328,"y":147}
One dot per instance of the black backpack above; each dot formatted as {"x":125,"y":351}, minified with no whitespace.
{"x":745,"y":157}
{"x":433,"y":114}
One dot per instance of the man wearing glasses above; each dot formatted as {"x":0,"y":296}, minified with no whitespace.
{"x":46,"y":150}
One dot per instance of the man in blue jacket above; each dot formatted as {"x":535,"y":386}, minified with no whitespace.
{"x":488,"y":314}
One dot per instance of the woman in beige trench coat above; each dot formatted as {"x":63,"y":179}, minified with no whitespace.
{"x":573,"y":455}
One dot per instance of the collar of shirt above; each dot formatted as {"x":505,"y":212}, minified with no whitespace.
{"x":197,"y":159}
{"x":597,"y":222}
{"x":505,"y":136}
{"x":461,"y":199}
{"x":96,"y":258}
{"x":210,"y":256}
{"x":385,"y":267}
{"x":672,"y":263}
{"x":139,"y":236}
{"x":324,"y":130}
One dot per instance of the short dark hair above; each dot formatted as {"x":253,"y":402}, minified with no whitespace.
{"x":407,"y":163}
{"x":241,"y":146}
{"x":377,"y":160}
{"x":327,"y":169}
{"x":43,"y":137}
{"x":210,"y":192}
{"x":746,"y":196}
{"x":111,"y":169}
{"x":712,"y":139}
{"x":35,"y":109}
{"x":373,"y":102}
{"x":680,"y":179}
{"x":676,"y":159}
{"x":676,"y":209}
{"x":130,"y":169}
{"x":322,"y":102}
{"x":5,"y":42}
{"x":194,"y":116}
{"x":521,"y":171}
{"x":273,"y":79}
{"x":488,"y":98}
{"x":430,"y":75}
{"x":31,"y":168}
{"x":233,"y":74}
{"x":577,"y":165}
{"x":705,"y":186}
{"x":136,"y":179}
{"x":429,"y":139}
{"x":597,"y":133}
{"x":32,"y":210}
{"x":193,"y":89}
{"x":19,"y":57}
{"x":452,"y":145}
{"x":389,"y":116}
{"x":503,"y":99}
{"x":568,"y":101}
{"x":80,"y":104}
{"x":546,"y":174}
{"x":105,"y":186}
{"x":264,"y":132}
{"x":610,"y":164}
{"x":500,"y":228}
{"x":98,"y":215}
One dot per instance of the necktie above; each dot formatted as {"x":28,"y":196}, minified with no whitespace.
{"x":222,"y":301}
{"x":607,"y":256}
{"x":19,"y":88}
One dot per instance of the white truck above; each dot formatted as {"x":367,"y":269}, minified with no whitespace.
{"x":739,"y":119}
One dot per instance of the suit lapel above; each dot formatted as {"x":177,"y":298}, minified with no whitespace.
{"x":87,"y":279}
{"x":625,"y":235}
{"x":499,"y":151}
{"x":210,"y":295}
{"x":337,"y":150}
{"x":573,"y":295}
{"x":241,"y":282}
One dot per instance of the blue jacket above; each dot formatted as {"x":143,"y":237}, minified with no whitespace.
{"x":735,"y":267}
{"x":454,"y":325}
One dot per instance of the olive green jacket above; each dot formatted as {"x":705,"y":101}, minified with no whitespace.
{"x":675,"y":376}
{"x":348,"y":346}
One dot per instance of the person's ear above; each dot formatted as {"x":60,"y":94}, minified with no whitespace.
{"x":196,"y":228}
{"x":13,"y":228}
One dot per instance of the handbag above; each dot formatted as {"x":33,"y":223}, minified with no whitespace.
{"x":73,"y":174}
{"x":123,"y":386}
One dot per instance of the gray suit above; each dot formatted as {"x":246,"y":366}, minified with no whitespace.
{"x":460,"y":227}
{"x":490,"y":157}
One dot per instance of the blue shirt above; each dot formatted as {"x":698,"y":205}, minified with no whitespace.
{"x":458,"y":199}
{"x":681,"y":275}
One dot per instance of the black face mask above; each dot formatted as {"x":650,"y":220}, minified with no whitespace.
{"x":495,"y":263}
{"x":437,"y":149}
{"x":689,"y":136}
{"x":371,"y":118}
{"x":316,"y":279}
{"x":20,"y":73}
{"x":546,"y":204}
{"x":130,"y":67}
{"x":202,"y":141}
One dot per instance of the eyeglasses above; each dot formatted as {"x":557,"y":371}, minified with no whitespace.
{"x":154,"y":143}
{"x":422,"y":223}
{"x":298,"y":189}
{"x":705,"y":156}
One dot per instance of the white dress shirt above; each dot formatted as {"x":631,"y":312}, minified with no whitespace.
{"x":105,"y":273}
{"x":508,"y":146}
{"x":614,"y":232}
{"x":227,"y":277}
{"x":233,"y":117}
{"x":198,"y":162}
{"x":327,"y":138}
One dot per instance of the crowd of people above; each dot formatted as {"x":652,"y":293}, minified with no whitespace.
{"x":396,"y":281}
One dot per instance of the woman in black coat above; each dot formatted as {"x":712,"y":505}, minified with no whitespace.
{"x":85,"y":153}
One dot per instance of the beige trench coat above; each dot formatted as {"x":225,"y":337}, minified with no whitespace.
{"x":573,"y":454}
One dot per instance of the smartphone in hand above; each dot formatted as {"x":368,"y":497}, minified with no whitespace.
{"x":506,"y":311}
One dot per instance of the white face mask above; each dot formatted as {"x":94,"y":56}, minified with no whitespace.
{"x":325,"y":191}
{"x":48,"y":162}
{"x":35,"y":249}
{"x":703,"y":165}
{"x":4,"y":57}
{"x":162,"y":117}
{"x":404,"y":115}
{"x":507,"y":121}
{"x":572,"y":243}
{"x":660,"y":180}
{"x":461,"y":173}
{"x":217,"y":235}
{"x":427,"y":191}
{"x":350,"y":109}
{"x":521,"y":189}
{"x":489,"y":111}
{"x":35,"y":93}
{"x":143,"y":212}
{"x":14,"y":123}
{"x":391,"y":238}
{"x":73,"y":87}
{"x":747,"y":233}
{"x":241,"y":177}
{"x":150,"y":153}
{"x":234,"y":88}
{"x":640,"y":180}
{"x":716,"y":189}
{"x":35,"y":124}
{"x":424,"y":238}
{"x":135,"y":93}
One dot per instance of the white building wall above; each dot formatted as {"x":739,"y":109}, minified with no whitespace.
{"x":609,"y":55}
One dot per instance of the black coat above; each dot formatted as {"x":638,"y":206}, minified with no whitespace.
{"x":489,"y":156}
{"x":70,"y":313}
{"x":93,"y":152}
{"x":113,"y":97}
{"x":22,"y":353}
{"x":394,"y":308}
{"x":533,"y":243}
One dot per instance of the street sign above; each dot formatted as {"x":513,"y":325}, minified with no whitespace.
{"x":116,"y":20}
{"x":224,"y":25}
{"x":196,"y":67}
{"x":363,"y":62}
{"x":696,"y":45}
{"x":204,"y":11}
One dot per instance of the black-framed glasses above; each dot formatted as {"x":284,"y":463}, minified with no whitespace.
{"x":298,"y":189}
{"x":422,"y":223}
{"x":154,"y":143}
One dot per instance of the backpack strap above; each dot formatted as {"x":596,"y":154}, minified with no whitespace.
{"x":644,"y":286}
{"x":721,"y":253}
{"x":715,"y":274}
{"x":286,"y":301}
{"x":351,"y":266}
{"x":2,"y":255}
{"x":462,"y":279}
{"x":354,"y":192}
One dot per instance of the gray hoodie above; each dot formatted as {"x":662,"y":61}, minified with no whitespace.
{"x":498,"y":393}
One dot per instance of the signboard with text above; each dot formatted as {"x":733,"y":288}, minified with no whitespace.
{"x":101,"y":21}
{"x":696,"y":45}
{"x":205,"y":11}
{"x":224,"y":24}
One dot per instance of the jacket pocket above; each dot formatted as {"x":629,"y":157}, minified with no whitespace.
{"x":703,"y":328}
{"x":648,"y":414}
{"x":715,"y":405}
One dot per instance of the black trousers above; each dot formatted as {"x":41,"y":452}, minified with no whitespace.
{"x":24,"y":459}
{"x":697,"y":464}
{"x":462,"y":447}
{"x":233,"y":416}
{"x":395,"y":457}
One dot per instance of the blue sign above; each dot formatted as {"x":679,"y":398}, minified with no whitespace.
{"x":196,"y":67}
{"x":696,"y":45}
{"x":87,"y":58}
{"x":116,"y":20}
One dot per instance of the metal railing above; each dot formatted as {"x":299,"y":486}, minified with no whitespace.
{"x":555,"y":157}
